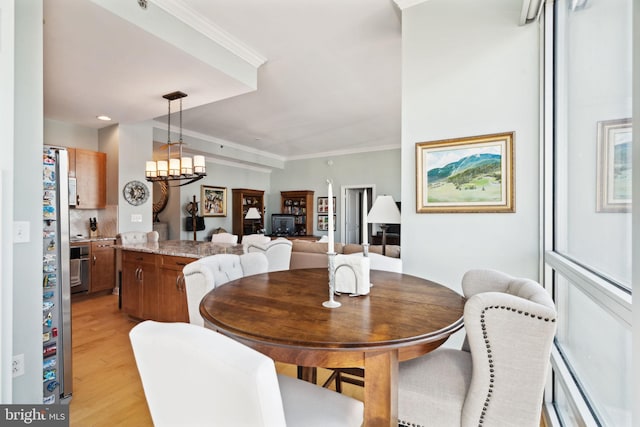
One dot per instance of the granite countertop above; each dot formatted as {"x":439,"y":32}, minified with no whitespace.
{"x":184,"y":248}
{"x":86,"y":239}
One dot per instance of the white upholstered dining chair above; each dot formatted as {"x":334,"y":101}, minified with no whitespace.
{"x":224,"y":238}
{"x":137,"y":237}
{"x":382,"y":262}
{"x":260,"y":239}
{"x":194,"y":376}
{"x":498,"y":377}
{"x":278,"y":252}
{"x":203,"y":275}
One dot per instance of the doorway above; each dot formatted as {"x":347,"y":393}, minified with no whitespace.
{"x":352,"y":212}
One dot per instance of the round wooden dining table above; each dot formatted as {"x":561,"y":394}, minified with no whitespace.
{"x":281,"y":315}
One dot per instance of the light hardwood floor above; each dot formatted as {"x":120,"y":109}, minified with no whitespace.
{"x":106,"y":387}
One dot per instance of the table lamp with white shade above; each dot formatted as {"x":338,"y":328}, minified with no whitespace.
{"x":254,"y":214}
{"x":384,"y":212}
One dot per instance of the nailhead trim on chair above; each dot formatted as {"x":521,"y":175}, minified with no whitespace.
{"x":490,"y":356}
{"x":408,"y":424}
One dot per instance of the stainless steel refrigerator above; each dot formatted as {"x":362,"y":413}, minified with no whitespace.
{"x":56,"y":295}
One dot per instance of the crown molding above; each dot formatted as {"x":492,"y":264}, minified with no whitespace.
{"x":186,"y":14}
{"x":265,"y":154}
{"x":238,"y":165}
{"x":346,"y":152}
{"x":232,"y":144}
{"x":404,"y":4}
{"x":216,"y":150}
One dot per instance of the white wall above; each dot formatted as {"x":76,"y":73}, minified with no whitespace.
{"x":218,"y":175}
{"x":135,"y":146}
{"x":6,"y":195}
{"x":70,"y":135}
{"x":469,"y":69}
{"x":27,"y":199}
{"x":379,"y":168}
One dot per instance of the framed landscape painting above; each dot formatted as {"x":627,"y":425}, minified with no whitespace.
{"x":471,"y":174}
{"x":614,"y":166}
{"x":213,"y":200}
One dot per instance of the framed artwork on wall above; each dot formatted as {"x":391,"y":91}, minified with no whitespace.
{"x":614,"y":166}
{"x":213,"y":200}
{"x":470,"y":174}
{"x":323,"y":205}
{"x":323,"y":222}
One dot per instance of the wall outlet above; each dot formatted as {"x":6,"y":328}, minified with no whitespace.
{"x":17,"y":366}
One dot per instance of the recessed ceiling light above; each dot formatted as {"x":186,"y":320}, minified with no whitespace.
{"x":104,"y":118}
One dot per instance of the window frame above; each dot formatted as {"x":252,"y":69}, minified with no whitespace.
{"x":616,"y":300}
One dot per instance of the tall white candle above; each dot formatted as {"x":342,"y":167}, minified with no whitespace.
{"x":365,"y":229}
{"x":330,"y":209}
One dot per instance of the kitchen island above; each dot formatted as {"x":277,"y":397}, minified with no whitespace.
{"x":152,"y":284}
{"x":183,"y":248}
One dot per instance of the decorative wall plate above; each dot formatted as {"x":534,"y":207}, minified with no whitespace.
{"x":135,"y":192}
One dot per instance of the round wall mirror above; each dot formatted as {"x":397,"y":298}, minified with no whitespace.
{"x":160,"y":197}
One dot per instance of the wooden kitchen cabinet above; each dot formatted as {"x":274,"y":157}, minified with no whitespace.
{"x":153,"y":286}
{"x":90,"y":171}
{"x":172,"y":299}
{"x":103,"y":265}
{"x":140,"y":285}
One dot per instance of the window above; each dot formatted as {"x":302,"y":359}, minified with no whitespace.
{"x":588,"y":258}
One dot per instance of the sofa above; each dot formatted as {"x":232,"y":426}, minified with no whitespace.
{"x":308,"y":254}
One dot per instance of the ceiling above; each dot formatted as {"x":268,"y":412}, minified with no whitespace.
{"x":328,"y":71}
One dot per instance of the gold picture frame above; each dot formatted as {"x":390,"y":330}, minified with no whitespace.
{"x":213,"y":200}
{"x":466,"y":175}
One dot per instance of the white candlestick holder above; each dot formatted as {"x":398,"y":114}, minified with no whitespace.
{"x":365,"y":253}
{"x":331,"y":303}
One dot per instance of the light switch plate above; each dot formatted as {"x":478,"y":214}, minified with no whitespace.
{"x":21,"y":232}
{"x":136,"y":217}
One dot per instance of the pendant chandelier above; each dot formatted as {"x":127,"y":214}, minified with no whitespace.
{"x":176,"y":168}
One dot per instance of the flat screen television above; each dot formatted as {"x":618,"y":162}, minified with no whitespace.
{"x":283,"y":225}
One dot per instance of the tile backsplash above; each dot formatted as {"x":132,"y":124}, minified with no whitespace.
{"x":107,"y":221}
